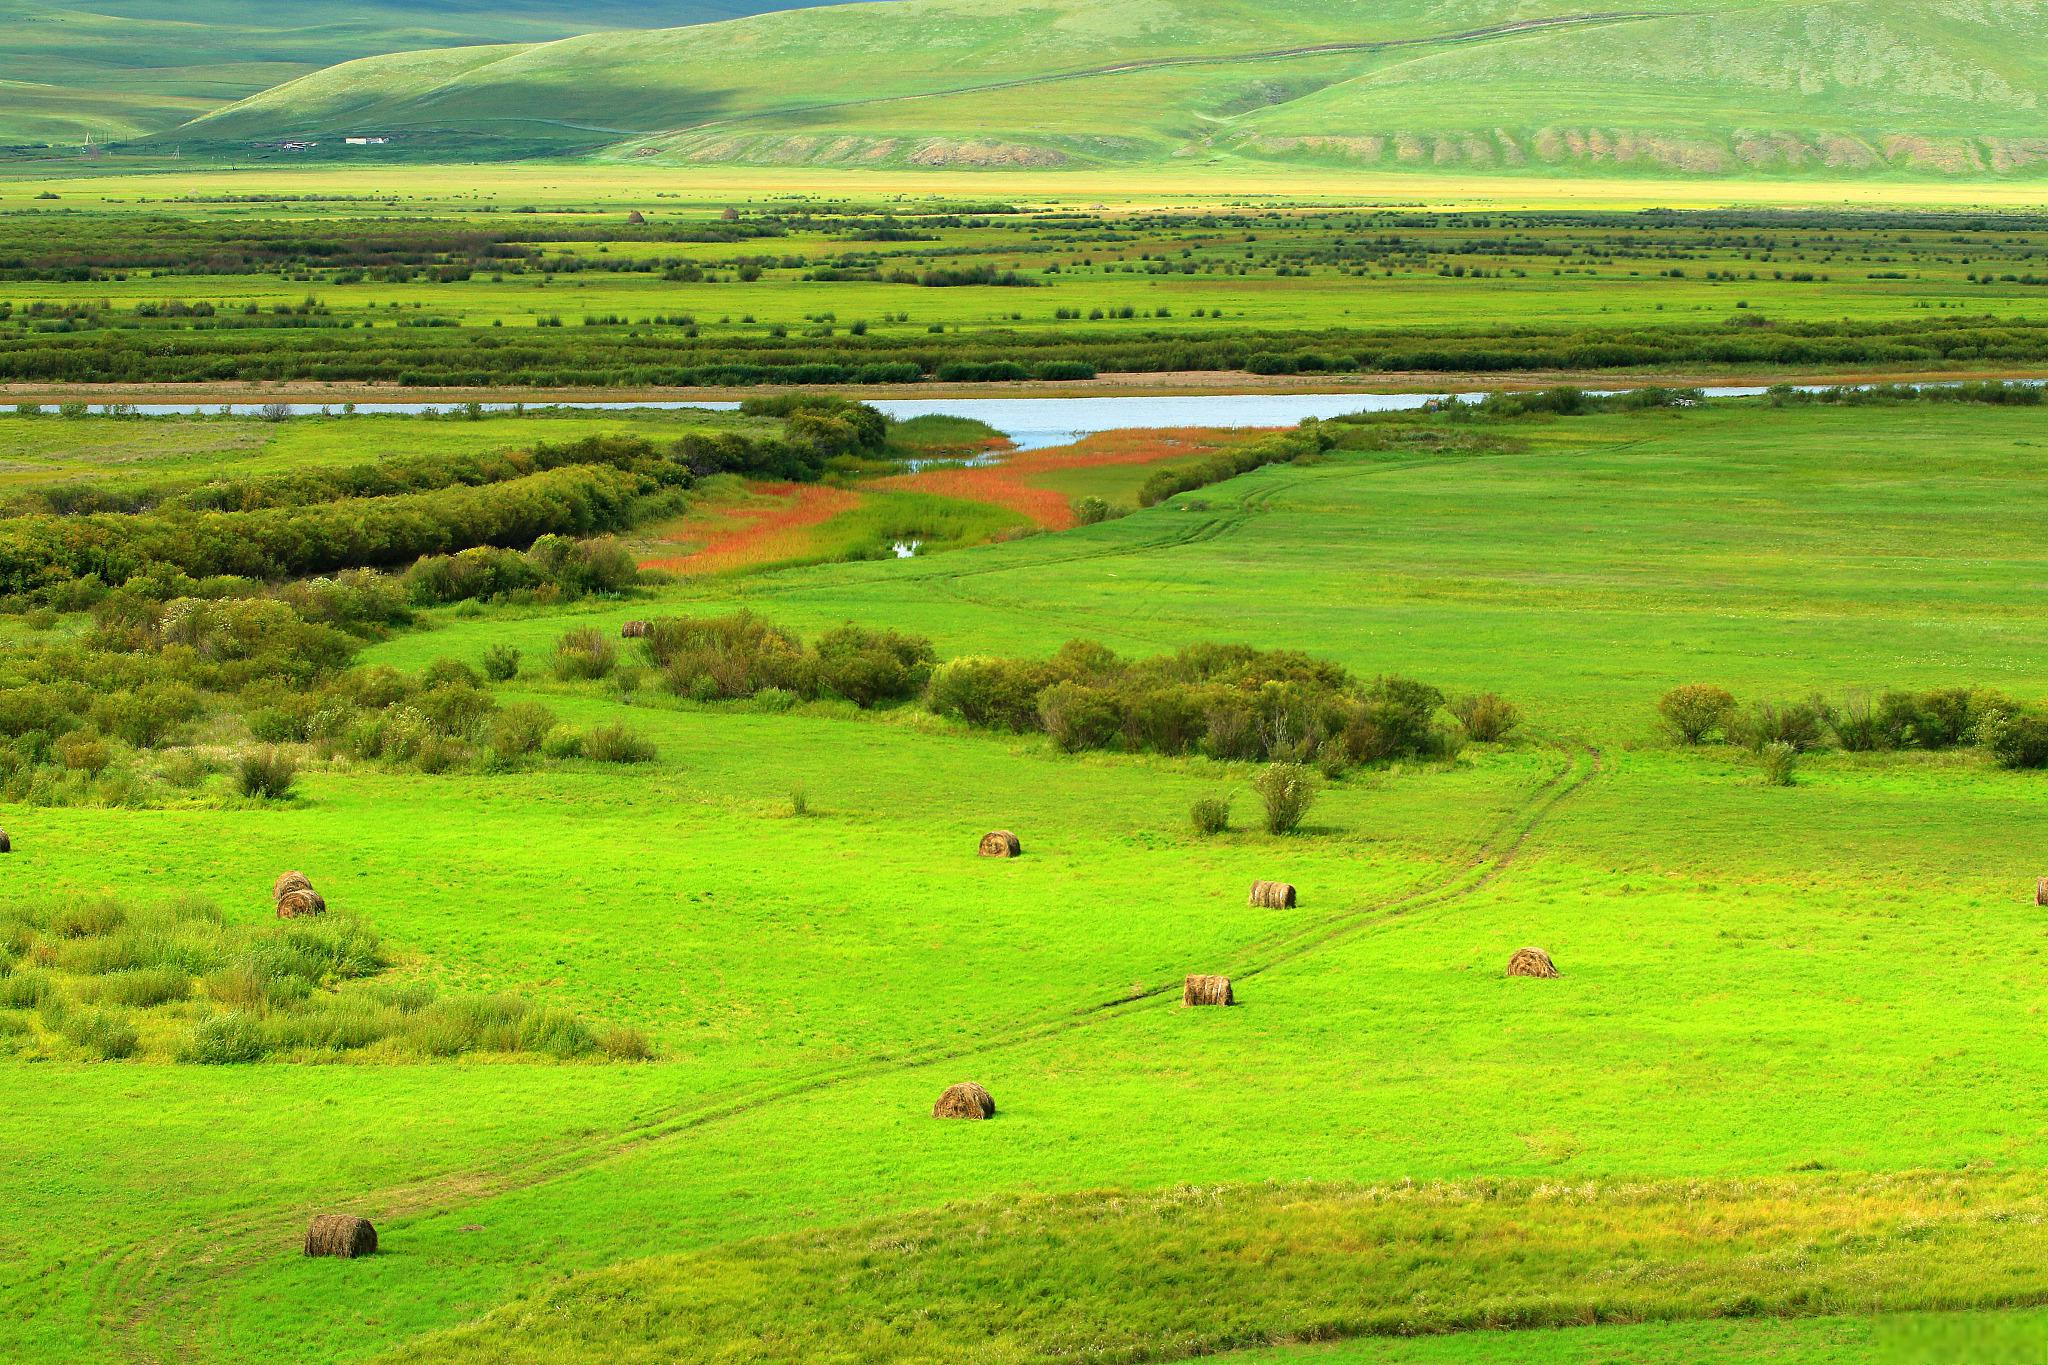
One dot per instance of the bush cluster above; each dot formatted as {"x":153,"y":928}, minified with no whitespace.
{"x":78,"y":977}
{"x":2014,"y":733}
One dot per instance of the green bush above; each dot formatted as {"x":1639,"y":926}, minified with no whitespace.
{"x":585,"y":654}
{"x":990,"y":694}
{"x":520,"y":730}
{"x":501,"y":663}
{"x":1211,"y":815}
{"x":615,"y":743}
{"x":869,"y":667}
{"x":1488,"y":718}
{"x":1287,"y":791}
{"x":266,"y":774}
{"x":555,"y":1032}
{"x":2016,"y":736}
{"x":622,"y":1044}
{"x":143,"y":987}
{"x":230,"y":1039}
{"x":1800,"y":724}
{"x":1696,"y":712}
{"x":101,"y":1033}
{"x":1780,"y":763}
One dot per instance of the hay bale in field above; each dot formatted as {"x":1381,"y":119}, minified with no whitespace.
{"x":6,"y":845}
{"x":1532,"y":962}
{"x":340,"y":1234}
{"x":635,"y":630}
{"x":1206,"y":990}
{"x":288,"y":883}
{"x":303,"y":903}
{"x":2040,"y":887}
{"x":964,"y":1101}
{"x":1273,"y":895}
{"x":1001,"y":844}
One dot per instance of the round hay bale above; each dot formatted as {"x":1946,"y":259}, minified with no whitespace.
{"x":635,"y":630}
{"x":7,"y":847}
{"x":1273,"y":896}
{"x":288,"y":883}
{"x":304,"y":903}
{"x":1001,"y":844}
{"x":964,"y":1101}
{"x":340,"y":1234}
{"x":1206,"y":990}
{"x":1532,"y":962}
{"x":2040,"y":887}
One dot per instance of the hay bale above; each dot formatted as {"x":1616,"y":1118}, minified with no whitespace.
{"x":2040,"y":887}
{"x":1273,"y":895}
{"x":288,"y":883}
{"x":964,"y":1101}
{"x":7,"y":847}
{"x":1001,"y":844}
{"x":303,"y":903}
{"x":1206,"y":990}
{"x":1532,"y":962}
{"x":635,"y":630}
{"x":340,"y":1234}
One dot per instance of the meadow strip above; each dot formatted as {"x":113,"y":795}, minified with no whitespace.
{"x":1117,"y":1276}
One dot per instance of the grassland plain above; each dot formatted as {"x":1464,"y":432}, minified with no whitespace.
{"x":1741,"y":87}
{"x":113,"y":69}
{"x":1782,"y":1076}
{"x":453,"y":294}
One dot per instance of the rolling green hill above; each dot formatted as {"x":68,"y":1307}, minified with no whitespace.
{"x":1838,"y":87}
{"x":121,"y":68}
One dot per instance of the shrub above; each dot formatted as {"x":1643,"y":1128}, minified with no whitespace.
{"x":555,"y":1032}
{"x":1211,"y":815}
{"x":869,"y":667}
{"x":1781,"y":763}
{"x":623,"y":1044}
{"x":501,"y":663}
{"x":87,"y":918}
{"x":1287,"y":791}
{"x":1092,"y":511}
{"x":1696,"y":711}
{"x":1796,"y":723}
{"x":562,"y":744}
{"x":101,"y":1033}
{"x":586,"y":653}
{"x":614,"y":743}
{"x":83,"y":752}
{"x":1940,"y":719}
{"x":229,"y":1039}
{"x":1488,"y":718}
{"x":2016,"y":736}
{"x":141,"y":988}
{"x":266,"y":774}
{"x":520,"y":730}
{"x":1078,"y":717}
{"x":1857,"y":725}
{"x":992,"y":694}
{"x":26,"y":991}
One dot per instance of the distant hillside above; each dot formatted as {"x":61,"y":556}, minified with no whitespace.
{"x":120,"y":68}
{"x":1832,"y":87}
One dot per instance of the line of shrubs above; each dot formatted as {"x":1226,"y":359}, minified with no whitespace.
{"x":2014,"y":733}
{"x":1307,"y":440}
{"x":78,"y":977}
{"x":1229,"y":702}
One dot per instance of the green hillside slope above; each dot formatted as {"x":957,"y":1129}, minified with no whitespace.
{"x":119,"y":68}
{"x":1851,"y":87}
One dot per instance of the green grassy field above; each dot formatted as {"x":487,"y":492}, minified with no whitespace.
{"x":1780,"y":1105}
{"x":1739,"y":88}
{"x":113,"y":69}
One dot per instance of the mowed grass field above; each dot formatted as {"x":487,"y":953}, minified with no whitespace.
{"x":1782,"y":1104}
